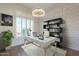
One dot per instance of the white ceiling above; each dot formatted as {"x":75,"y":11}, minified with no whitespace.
{"x":38,"y":5}
{"x":46,"y":6}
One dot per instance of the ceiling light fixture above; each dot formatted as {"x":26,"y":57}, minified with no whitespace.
{"x":38,"y":12}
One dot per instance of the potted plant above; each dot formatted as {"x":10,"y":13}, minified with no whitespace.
{"x":24,"y":32}
{"x":29,"y":31}
{"x":7,"y":36}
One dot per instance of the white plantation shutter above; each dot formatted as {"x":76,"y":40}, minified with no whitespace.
{"x":22,"y":24}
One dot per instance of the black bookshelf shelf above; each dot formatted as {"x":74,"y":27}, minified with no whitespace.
{"x":54,"y":27}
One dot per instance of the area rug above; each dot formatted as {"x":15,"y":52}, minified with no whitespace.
{"x":33,"y":50}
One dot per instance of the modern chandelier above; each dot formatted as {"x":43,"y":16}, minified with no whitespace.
{"x":38,"y":12}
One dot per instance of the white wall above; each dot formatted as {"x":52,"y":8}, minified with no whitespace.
{"x":14,"y":9}
{"x":38,"y":24}
{"x":70,"y":15}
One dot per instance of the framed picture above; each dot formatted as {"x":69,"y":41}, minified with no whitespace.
{"x":6,"y":20}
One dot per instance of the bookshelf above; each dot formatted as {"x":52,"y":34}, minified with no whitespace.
{"x":55,"y":28}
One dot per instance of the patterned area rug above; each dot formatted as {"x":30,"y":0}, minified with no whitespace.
{"x":33,"y":50}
